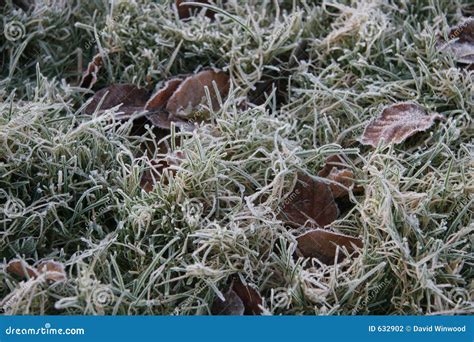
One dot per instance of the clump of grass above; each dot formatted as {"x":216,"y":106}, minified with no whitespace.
{"x":70,"y":182}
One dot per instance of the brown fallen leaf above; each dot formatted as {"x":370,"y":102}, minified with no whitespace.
{"x":240,"y":300}
{"x":398,"y":122}
{"x":334,"y":161}
{"x":156,"y":105}
{"x":337,"y":169}
{"x":313,"y":204}
{"x":323,"y":245}
{"x":131,"y":98}
{"x":249,"y":296}
{"x":345,"y":177}
{"x":231,"y":305}
{"x":187,"y":11}
{"x":21,"y":269}
{"x":52,"y":270}
{"x":150,"y":176}
{"x":191,"y":93}
{"x":89,"y":78}
{"x":461,"y":42}
{"x":159,"y":100}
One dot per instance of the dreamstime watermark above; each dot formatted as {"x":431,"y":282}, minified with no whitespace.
{"x":188,"y":301}
{"x":461,"y":296}
{"x":102,"y":297}
{"x":456,"y":33}
{"x":102,"y":33}
{"x":192,"y":211}
{"x":291,"y":198}
{"x":281,"y":31}
{"x":46,"y":330}
{"x":372,"y":294}
{"x":459,"y":207}
{"x":13,"y":208}
{"x":14,"y":30}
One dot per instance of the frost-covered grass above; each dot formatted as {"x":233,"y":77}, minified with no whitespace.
{"x":70,"y":182}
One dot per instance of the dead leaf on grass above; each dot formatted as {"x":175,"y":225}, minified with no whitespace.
{"x":461,"y":42}
{"x":187,"y":11}
{"x":398,"y":122}
{"x":240,"y":300}
{"x":21,"y":269}
{"x":345,"y":177}
{"x":231,"y":305}
{"x":191,"y":94}
{"x":324,"y":245}
{"x":89,"y":78}
{"x":249,"y":296}
{"x":156,"y":105}
{"x":313,"y":203}
{"x":52,"y":270}
{"x":131,"y":98}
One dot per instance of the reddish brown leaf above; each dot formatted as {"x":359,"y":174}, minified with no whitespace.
{"x":191,"y":93}
{"x":324,"y":245}
{"x":344,"y":177}
{"x":186,"y":11}
{"x":334,"y":161}
{"x":21,"y":269}
{"x":156,"y":105}
{"x":461,"y":42}
{"x":249,"y":296}
{"x":159,"y":100}
{"x":150,"y":176}
{"x":89,"y":78}
{"x":313,"y":203}
{"x":398,"y":122}
{"x":131,"y":98}
{"x":52,"y":270}
{"x":231,"y":305}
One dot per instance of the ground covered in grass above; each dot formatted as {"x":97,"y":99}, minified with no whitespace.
{"x":71,"y":183}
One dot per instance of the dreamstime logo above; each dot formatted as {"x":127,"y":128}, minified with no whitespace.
{"x":192,"y":210}
{"x":102,"y":296}
{"x":286,"y":27}
{"x":372,"y":295}
{"x":14,"y":208}
{"x":460,"y":296}
{"x":14,"y":30}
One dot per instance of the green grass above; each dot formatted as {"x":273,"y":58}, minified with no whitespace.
{"x":70,"y":182}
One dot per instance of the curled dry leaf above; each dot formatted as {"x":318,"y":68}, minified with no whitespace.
{"x":324,"y":245}
{"x":398,"y":122}
{"x":231,"y":305}
{"x":21,"y":269}
{"x":334,"y":161}
{"x":159,"y":100}
{"x":150,"y":176}
{"x":191,"y":94}
{"x":89,"y":78}
{"x":156,"y":105}
{"x":461,"y":42}
{"x":249,"y":296}
{"x":312,"y":202}
{"x":131,"y":98}
{"x":52,"y":270}
{"x":240,"y":299}
{"x":338,"y":170}
{"x":187,"y":11}
{"x":345,"y":177}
